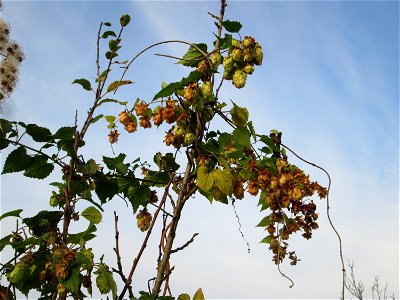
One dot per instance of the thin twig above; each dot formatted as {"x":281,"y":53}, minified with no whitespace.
{"x":328,"y":215}
{"x":116,"y":250}
{"x":185,"y":245}
{"x":240,"y":225}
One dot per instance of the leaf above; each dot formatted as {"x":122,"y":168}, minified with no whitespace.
{"x":106,"y":188}
{"x":107,"y":279}
{"x":110,"y":119}
{"x":38,"y":134}
{"x":84,"y":83}
{"x":199,"y":295}
{"x":193,"y":56}
{"x":92,"y":214}
{"x":89,"y":168}
{"x":39,"y":168}
{"x":113,"y":45}
{"x":108,"y":33}
{"x":175,"y":86}
{"x":95,"y":119}
{"x":224,"y":181}
{"x":241,"y":136}
{"x":5,"y":241}
{"x":17,"y":161}
{"x":240,"y":115}
{"x":124,"y":20}
{"x":113,"y":86}
{"x":232,"y":26}
{"x":184,"y":297}
{"x":42,"y":221}
{"x":64,"y":133}
{"x":87,"y":235}
{"x":107,"y":24}
{"x":264,"y":222}
{"x":73,"y":282}
{"x":269,"y":142}
{"x":205,"y":180}
{"x":266,"y":240}
{"x":116,"y":163}
{"x":138,"y":196}
{"x":110,"y":55}
{"x":5,"y":127}
{"x":252,"y":131}
{"x":13,"y":213}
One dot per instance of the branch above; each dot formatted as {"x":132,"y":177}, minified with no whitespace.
{"x":116,"y":250}
{"x":185,"y":245}
{"x":144,"y":244}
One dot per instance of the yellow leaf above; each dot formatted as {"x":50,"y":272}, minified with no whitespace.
{"x":113,"y":86}
{"x":199,"y":295}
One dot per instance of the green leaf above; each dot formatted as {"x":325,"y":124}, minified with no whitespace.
{"x":65,"y":133}
{"x":84,"y":83}
{"x":199,"y":295}
{"x":184,"y":297}
{"x":38,"y":134}
{"x":205,"y":180}
{"x":176,"y":86}
{"x":92,"y":214}
{"x":138,"y":196}
{"x":232,"y":26}
{"x":269,"y":142}
{"x":13,"y":213}
{"x":124,"y":20}
{"x":113,"y":86}
{"x":106,"y":188}
{"x":5,"y":241}
{"x":264,"y":222}
{"x":42,"y":221}
{"x":82,"y":237}
{"x":193,"y":56}
{"x":110,"y":54}
{"x":106,"y":282}
{"x":39,"y":168}
{"x":108,"y":33}
{"x":5,"y":127}
{"x":17,"y":161}
{"x":95,"y":119}
{"x":3,"y":143}
{"x":73,"y":282}
{"x":113,"y":45}
{"x":110,"y":119}
{"x":241,"y":136}
{"x":252,"y":131}
{"x":223,"y":181}
{"x":116,"y":163}
{"x":266,"y":240}
{"x":89,"y":168}
{"x":107,"y":24}
{"x":240,"y":115}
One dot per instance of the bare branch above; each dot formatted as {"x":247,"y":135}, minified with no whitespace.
{"x":185,"y":245}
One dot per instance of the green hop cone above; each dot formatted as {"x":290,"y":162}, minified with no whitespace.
{"x":228,"y":63}
{"x":239,"y":79}
{"x":61,"y":290}
{"x":248,"y":69}
{"x":235,"y":44}
{"x":206,"y":90}
{"x":228,"y":75}
{"x":258,"y":54}
{"x":208,"y":113}
{"x":189,"y":138}
{"x":248,"y":42}
{"x":179,"y":130}
{"x":216,"y":59}
{"x":144,"y":220}
{"x":20,"y":273}
{"x":102,"y":284}
{"x":237,"y":54}
{"x":53,"y":201}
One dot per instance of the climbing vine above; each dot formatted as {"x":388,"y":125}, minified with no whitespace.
{"x":220,"y":166}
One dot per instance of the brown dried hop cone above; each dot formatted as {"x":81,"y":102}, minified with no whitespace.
{"x":125,"y":117}
{"x":143,"y":220}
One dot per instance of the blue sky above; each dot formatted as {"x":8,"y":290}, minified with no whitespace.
{"x":329,"y":82}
